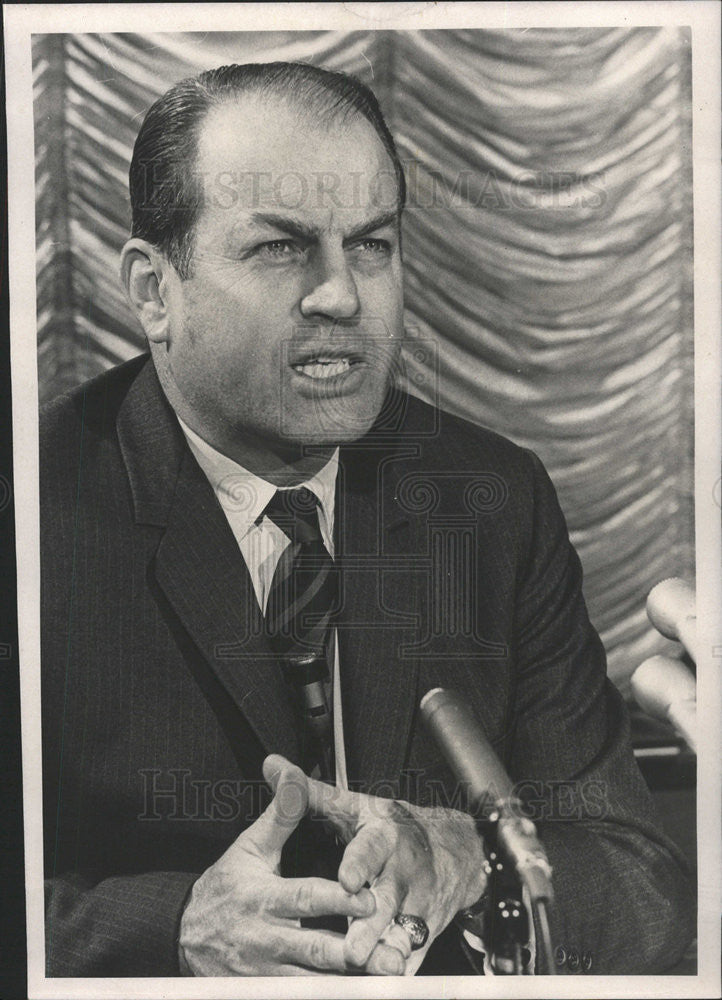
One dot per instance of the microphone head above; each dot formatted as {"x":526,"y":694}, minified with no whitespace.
{"x":463,"y":744}
{"x":432,"y":700}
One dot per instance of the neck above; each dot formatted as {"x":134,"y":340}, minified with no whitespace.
{"x":278,"y":466}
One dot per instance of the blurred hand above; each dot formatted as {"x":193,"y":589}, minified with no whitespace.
{"x":243,"y":918}
{"x":428,"y":862}
{"x":663,"y":685}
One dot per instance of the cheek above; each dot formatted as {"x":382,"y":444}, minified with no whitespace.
{"x":386,"y":298}
{"x":223,"y":336}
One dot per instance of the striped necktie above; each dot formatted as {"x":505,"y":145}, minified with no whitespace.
{"x":302,"y":597}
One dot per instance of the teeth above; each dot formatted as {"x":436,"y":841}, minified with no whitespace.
{"x":324,"y":367}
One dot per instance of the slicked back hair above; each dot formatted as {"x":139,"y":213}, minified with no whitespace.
{"x":166,"y":192}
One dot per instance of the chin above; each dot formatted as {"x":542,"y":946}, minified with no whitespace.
{"x":334,"y":421}
{"x":332,"y":433}
{"x":325,"y":438}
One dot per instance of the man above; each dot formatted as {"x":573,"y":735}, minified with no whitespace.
{"x":265,"y":270}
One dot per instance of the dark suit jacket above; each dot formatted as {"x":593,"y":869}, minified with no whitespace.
{"x":161,"y":697}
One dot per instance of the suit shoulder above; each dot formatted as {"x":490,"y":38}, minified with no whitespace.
{"x":89,"y":407}
{"x":461,"y":442}
{"x":78,"y":435}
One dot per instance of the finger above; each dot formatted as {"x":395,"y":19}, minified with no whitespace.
{"x":396,"y":937}
{"x":305,"y":946}
{"x":289,"y":804}
{"x":364,"y":933}
{"x":365,"y":856}
{"x":338,"y":806}
{"x":385,"y":961}
{"x":274,"y":766}
{"x":324,"y":950}
{"x":316,"y":897}
{"x":291,"y":970}
{"x":419,"y":903}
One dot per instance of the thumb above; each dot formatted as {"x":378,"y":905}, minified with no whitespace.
{"x":287,"y":808}
{"x":275,"y":766}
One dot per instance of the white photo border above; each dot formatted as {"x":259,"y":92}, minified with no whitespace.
{"x":703,"y":18}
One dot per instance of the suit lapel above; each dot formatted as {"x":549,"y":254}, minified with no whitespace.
{"x":378,"y":682}
{"x":198,"y":564}
{"x":204,"y":576}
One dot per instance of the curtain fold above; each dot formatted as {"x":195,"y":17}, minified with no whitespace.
{"x":547,"y":247}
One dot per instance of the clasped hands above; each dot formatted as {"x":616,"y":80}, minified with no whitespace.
{"x":243,"y":918}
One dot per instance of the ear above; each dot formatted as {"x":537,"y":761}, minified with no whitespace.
{"x":145,"y":274}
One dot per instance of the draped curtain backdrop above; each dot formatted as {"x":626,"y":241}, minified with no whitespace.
{"x":547,"y":252}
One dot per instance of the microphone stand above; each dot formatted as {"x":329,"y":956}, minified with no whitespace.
{"x":515,"y":858}
{"x":501,"y":918}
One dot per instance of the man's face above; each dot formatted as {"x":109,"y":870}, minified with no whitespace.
{"x":287,"y":330}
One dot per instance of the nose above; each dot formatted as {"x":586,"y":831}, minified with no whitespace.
{"x":334,"y":293}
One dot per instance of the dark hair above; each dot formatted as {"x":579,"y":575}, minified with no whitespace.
{"x":166,"y":195}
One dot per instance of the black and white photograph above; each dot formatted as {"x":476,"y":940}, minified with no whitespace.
{"x":367,"y":489}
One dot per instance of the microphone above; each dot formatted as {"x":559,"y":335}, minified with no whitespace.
{"x":474,"y":763}
{"x":307,"y":675}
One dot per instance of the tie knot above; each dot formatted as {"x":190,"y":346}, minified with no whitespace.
{"x":296,"y":514}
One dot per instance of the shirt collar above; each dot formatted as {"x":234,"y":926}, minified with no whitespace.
{"x":244,"y":496}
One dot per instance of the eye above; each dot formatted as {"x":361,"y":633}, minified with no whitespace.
{"x":279,"y":249}
{"x":373,"y":247}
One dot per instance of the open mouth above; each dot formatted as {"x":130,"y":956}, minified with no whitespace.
{"x":323,"y":367}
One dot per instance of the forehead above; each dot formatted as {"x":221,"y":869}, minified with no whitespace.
{"x":261,"y":153}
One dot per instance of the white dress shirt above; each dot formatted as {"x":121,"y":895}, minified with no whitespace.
{"x":243,"y":497}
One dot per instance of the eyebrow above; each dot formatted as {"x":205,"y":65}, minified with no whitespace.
{"x":295,"y":228}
